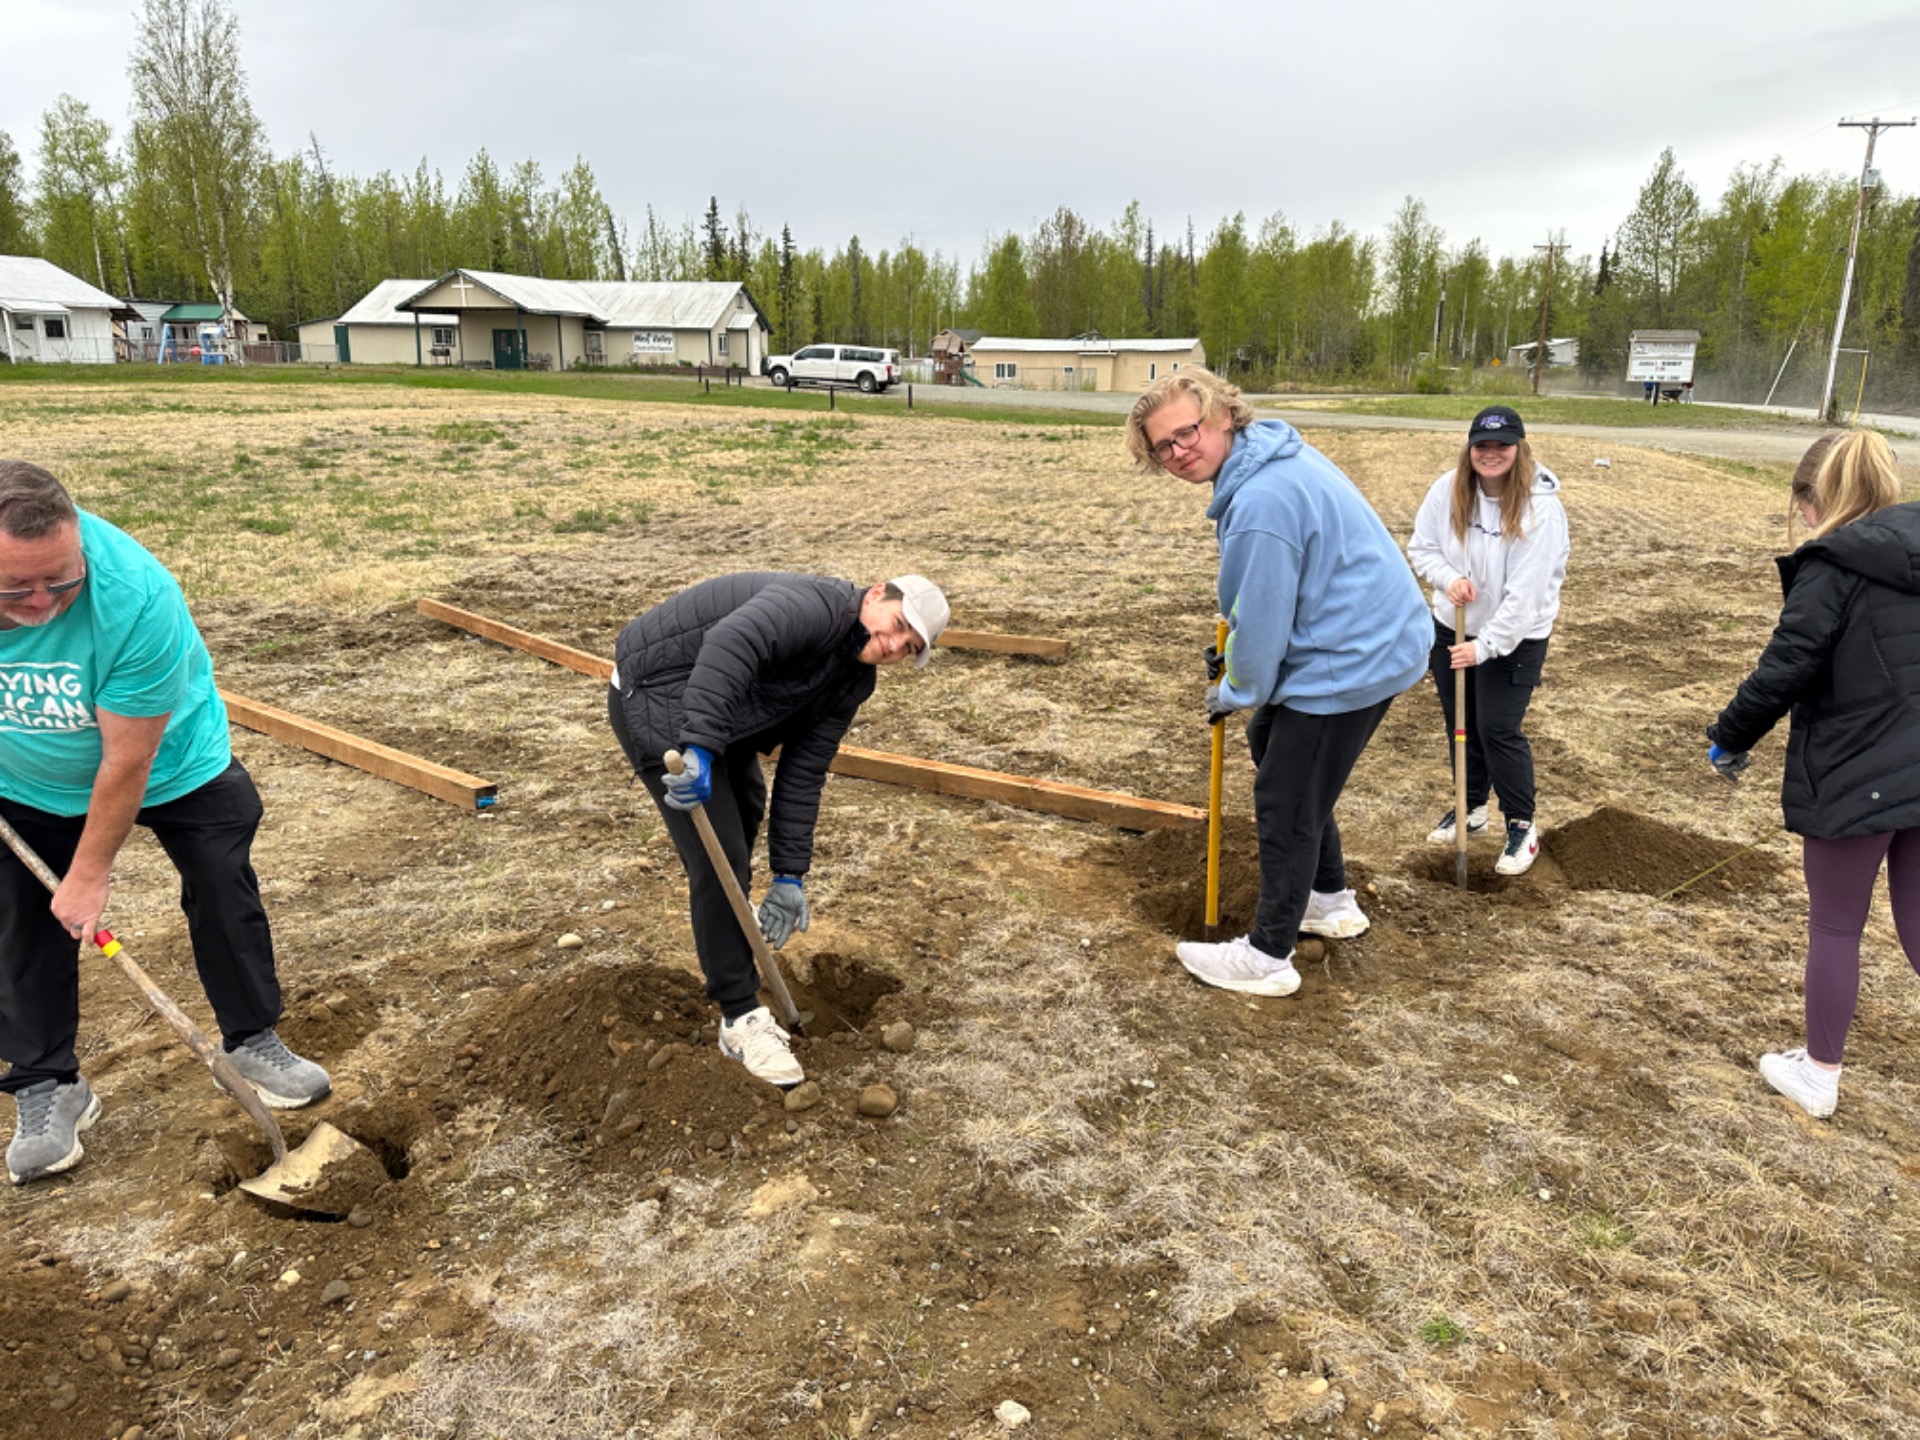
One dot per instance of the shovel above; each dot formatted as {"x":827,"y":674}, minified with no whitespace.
{"x":1460,"y":755}
{"x":298,"y":1178}
{"x":1214,"y":779}
{"x":770,"y":975}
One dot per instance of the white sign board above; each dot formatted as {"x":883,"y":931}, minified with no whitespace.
{"x":1665,"y":362}
{"x":653,"y":342}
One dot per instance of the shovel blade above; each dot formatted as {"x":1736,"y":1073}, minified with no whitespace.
{"x":328,"y":1173}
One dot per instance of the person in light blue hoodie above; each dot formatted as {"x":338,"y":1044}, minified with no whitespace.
{"x":1327,"y":625}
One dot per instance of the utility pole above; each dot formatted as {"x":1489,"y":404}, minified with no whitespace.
{"x":1546,"y":294}
{"x":1439,"y":317}
{"x":1868,"y":179}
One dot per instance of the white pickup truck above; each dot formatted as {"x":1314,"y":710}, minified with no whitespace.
{"x":866,"y":366}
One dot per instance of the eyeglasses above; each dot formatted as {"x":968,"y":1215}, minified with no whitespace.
{"x":54,"y":591}
{"x":1185,"y":438}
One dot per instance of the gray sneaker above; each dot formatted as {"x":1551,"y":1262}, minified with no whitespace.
{"x":46,"y":1138}
{"x":282,"y":1078}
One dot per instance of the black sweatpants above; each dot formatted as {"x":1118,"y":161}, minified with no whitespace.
{"x":208,"y":835}
{"x":737,"y":808}
{"x":1498,"y":693}
{"x":1301,"y":764}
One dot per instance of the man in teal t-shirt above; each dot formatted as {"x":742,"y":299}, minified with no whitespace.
{"x":109,"y":718}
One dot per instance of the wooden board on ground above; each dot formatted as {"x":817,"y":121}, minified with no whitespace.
{"x":441,"y":781}
{"x":1077,"y":802}
{"x":1006,"y":644}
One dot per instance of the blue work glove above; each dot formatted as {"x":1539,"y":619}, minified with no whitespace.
{"x":694,"y":784}
{"x":1216,"y":663}
{"x":1217,"y":709}
{"x":1730,"y":763}
{"x":784,"y":910}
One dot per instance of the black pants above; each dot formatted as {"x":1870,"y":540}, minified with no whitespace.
{"x":737,"y":808}
{"x":1498,"y":693}
{"x":208,"y":835}
{"x":1301,"y":764}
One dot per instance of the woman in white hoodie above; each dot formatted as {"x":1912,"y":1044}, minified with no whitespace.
{"x":1492,"y":535}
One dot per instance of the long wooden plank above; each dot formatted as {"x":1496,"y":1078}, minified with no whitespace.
{"x":1077,"y":802}
{"x":516,"y":639}
{"x":952,"y":639}
{"x":455,"y":786}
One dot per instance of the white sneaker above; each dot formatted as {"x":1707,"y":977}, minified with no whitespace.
{"x":1337,"y":915}
{"x":1522,"y":848}
{"x":1237,"y":965}
{"x":1794,"y":1075}
{"x":758,"y":1043}
{"x":1442,"y":834}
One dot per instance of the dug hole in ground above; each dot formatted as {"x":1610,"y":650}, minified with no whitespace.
{"x":1502,"y":1166}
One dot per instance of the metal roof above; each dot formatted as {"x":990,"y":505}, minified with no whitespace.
{"x":1079,"y":347}
{"x":30,"y":283}
{"x":376,"y":307}
{"x":614,"y":304}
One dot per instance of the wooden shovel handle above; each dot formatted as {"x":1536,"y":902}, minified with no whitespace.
{"x":743,"y":912}
{"x":230,"y":1078}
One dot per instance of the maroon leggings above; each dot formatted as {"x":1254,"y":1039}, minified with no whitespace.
{"x":1840,"y":876}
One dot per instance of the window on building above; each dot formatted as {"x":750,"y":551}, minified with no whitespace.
{"x":1067,"y":369}
{"x":443,"y":335}
{"x":1005,"y":370}
{"x":721,"y":347}
{"x":595,"y":343}
{"x":23,"y":322}
{"x":56,"y":327}
{"x":1153,"y":371}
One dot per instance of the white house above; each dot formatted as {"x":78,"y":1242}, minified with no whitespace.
{"x":54,"y":317}
{"x":1562,"y":351}
{"x":373,"y":332}
{"x":522,"y":322}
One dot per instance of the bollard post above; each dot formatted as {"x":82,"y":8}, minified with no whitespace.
{"x":909,"y":397}
{"x":706,"y":385}
{"x":831,"y":392}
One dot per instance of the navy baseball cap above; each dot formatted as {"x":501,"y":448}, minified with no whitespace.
{"x":1497,"y":425}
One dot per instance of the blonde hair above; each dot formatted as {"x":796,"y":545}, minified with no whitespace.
{"x":1216,"y":397}
{"x":1843,"y":476}
{"x":1516,"y":500}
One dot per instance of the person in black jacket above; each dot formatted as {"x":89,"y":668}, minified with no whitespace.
{"x":1844,"y":661}
{"x":725,"y":672}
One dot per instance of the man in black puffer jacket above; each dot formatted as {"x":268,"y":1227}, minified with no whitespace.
{"x":1844,"y":661}
{"x":725,"y":672}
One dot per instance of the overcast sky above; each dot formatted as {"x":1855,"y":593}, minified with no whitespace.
{"x":949,"y":123}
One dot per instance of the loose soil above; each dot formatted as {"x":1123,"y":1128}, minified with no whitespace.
{"x":1502,"y":1166}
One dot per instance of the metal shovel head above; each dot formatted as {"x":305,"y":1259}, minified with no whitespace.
{"x":328,"y":1173}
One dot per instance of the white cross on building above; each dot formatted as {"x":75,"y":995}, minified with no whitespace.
{"x":463,"y":287}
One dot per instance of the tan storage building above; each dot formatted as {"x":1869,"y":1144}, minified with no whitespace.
{"x":1083,"y":363}
{"x":374,"y":332}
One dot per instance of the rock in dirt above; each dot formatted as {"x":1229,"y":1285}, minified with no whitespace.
{"x":666,"y":1054}
{"x":898,"y":1037}
{"x":878,"y":1102}
{"x":570,"y":941}
{"x":1012,"y":1414}
{"x":227,"y":1359}
{"x":338,"y":1292}
{"x":359,"y":1217}
{"x":803,"y":1096}
{"x":718,"y":1141}
{"x":134,"y":1432}
{"x":1309,"y":952}
{"x":116,"y":1292}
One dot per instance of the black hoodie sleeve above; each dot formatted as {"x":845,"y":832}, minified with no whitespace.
{"x":802,"y":773}
{"x":1791,"y":665}
{"x":780,"y":622}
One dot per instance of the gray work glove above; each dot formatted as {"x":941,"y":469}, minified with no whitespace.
{"x":784,"y":910}
{"x":1217,"y":709}
{"x":1730,"y":763}
{"x":1216,"y":663}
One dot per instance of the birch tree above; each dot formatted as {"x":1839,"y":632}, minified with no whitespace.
{"x":194,"y":129}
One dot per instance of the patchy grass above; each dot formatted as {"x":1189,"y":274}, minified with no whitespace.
{"x":1568,"y":410}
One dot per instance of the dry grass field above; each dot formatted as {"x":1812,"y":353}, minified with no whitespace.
{"x":1502,"y":1167}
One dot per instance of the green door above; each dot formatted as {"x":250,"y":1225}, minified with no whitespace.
{"x":340,"y":343}
{"x":507,"y":354}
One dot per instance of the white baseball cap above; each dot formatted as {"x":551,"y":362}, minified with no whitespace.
{"x":924,"y":608}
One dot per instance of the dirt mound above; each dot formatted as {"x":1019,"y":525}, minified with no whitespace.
{"x":1171,"y":866}
{"x":1614,"y":849}
{"x":623,"y":1060}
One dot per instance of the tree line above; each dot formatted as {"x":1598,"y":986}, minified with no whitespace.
{"x":192,"y":203}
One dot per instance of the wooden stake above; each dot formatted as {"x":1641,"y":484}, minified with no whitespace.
{"x":1076,"y":802}
{"x":1006,"y":644}
{"x":454,"y":786}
